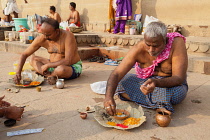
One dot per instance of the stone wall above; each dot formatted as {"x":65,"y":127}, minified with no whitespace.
{"x":192,"y":15}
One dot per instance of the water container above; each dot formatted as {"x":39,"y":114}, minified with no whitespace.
{"x":21,"y":36}
{"x":10,"y":37}
{"x":2,"y":22}
{"x":20,"y":21}
{"x":132,"y":31}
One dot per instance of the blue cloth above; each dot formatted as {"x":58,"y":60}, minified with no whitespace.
{"x":160,"y":97}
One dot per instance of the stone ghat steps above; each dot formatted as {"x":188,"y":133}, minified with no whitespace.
{"x":197,"y":63}
{"x":194,"y":45}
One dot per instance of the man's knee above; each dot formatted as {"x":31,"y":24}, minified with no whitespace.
{"x":60,"y":70}
{"x":63,"y":71}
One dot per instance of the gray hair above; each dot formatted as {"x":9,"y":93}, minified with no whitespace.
{"x":155,"y":29}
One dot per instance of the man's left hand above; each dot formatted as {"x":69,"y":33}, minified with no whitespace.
{"x":44,"y":68}
{"x":148,"y":86}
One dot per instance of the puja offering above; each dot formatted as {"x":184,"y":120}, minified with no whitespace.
{"x":83,"y":115}
{"x":87,"y":109}
{"x":163,"y":117}
{"x":132,"y":117}
{"x":30,"y":79}
{"x":121,"y":114}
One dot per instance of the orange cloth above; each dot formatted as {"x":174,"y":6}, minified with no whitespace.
{"x":111,"y":16}
{"x":78,"y":23}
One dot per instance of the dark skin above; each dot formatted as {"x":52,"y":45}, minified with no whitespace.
{"x":10,"y":112}
{"x":144,"y":53}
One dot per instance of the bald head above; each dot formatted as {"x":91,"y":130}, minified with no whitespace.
{"x":52,"y":22}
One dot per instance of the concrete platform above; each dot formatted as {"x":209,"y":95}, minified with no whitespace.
{"x":197,"y":63}
{"x":56,"y":109}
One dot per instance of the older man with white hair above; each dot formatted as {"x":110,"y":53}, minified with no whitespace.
{"x":160,"y":81}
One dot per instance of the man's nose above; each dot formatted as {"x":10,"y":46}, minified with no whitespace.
{"x":151,"y":49}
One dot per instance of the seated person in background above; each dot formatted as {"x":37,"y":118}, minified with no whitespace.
{"x":161,"y":64}
{"x":74,"y":15}
{"x":64,"y":60}
{"x":54,"y":15}
{"x":10,"y":112}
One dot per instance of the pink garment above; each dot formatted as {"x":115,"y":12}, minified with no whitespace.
{"x":149,"y":71}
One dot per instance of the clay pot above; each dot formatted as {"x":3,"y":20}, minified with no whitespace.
{"x":83,"y":115}
{"x":163,"y":117}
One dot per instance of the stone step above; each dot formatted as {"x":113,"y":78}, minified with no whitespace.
{"x":197,"y":63}
{"x":85,"y":52}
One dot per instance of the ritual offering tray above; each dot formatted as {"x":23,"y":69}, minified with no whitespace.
{"x":32,"y":80}
{"x":126,"y":117}
{"x":121,"y":114}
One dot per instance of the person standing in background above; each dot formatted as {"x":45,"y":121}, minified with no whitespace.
{"x":123,"y":13}
{"x":11,"y":7}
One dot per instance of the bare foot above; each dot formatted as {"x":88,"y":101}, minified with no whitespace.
{"x":120,"y":33}
{"x":51,"y":80}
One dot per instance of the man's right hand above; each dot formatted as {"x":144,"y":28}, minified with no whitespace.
{"x":17,"y":78}
{"x":14,"y":112}
{"x":110,"y":106}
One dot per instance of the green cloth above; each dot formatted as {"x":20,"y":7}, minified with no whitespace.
{"x":77,"y":66}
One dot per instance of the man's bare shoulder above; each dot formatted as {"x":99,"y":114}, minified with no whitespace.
{"x":76,"y":12}
{"x":139,"y":47}
{"x":178,"y":43}
{"x":67,"y":34}
{"x":56,"y":14}
{"x":40,"y":40}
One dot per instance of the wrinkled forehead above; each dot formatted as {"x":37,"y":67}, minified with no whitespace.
{"x":156,"y":39}
{"x":47,"y":29}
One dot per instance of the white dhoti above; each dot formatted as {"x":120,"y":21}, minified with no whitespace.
{"x":11,"y":7}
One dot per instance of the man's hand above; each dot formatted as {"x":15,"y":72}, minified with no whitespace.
{"x":14,"y":112}
{"x":17,"y":78}
{"x":110,"y":106}
{"x":3,"y":103}
{"x":44,"y":69}
{"x":148,"y":86}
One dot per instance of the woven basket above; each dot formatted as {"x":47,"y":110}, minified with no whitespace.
{"x":76,"y":29}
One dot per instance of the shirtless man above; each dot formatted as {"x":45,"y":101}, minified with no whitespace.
{"x":64,"y":59}
{"x":74,"y":15}
{"x":161,"y":63}
{"x":54,"y":15}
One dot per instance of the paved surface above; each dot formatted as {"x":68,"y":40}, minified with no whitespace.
{"x":56,"y":109}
